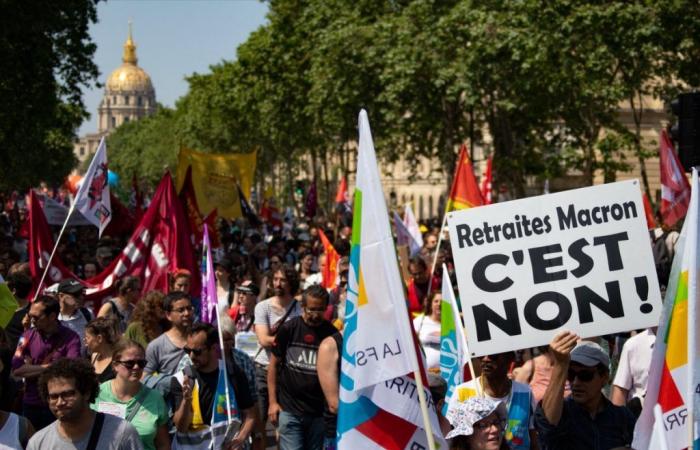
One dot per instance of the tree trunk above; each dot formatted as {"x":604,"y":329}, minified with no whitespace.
{"x":637,"y":115}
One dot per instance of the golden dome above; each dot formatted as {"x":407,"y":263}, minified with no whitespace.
{"x":129,"y":76}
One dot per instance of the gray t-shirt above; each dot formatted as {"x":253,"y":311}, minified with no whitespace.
{"x":266,"y":314}
{"x":77,"y":322}
{"x":116,"y":434}
{"x":162,"y":356}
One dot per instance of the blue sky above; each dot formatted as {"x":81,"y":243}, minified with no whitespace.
{"x":174,"y":39}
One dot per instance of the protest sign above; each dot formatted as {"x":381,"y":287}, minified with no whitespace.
{"x":579,"y":260}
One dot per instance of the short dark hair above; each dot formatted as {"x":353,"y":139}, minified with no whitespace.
{"x":208,"y":329}
{"x":172,"y":298}
{"x":50,"y":303}
{"x":77,"y":369}
{"x":127,"y":284}
{"x":315,"y":291}
{"x":21,"y":283}
{"x":419,"y":262}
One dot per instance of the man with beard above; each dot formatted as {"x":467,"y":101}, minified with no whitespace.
{"x":585,"y":419}
{"x":420,"y":283}
{"x":39,"y":346}
{"x":515,"y":400}
{"x":269,"y":315}
{"x":165,"y":353}
{"x":69,"y":386}
{"x":299,"y":410}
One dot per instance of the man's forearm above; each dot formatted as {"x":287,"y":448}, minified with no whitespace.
{"x":272,"y":380}
{"x":29,"y":371}
{"x":183,"y":416}
{"x":553,"y":400}
{"x":248,"y":422}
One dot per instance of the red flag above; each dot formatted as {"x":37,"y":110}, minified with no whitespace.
{"x":330,"y":271}
{"x":196,"y":220}
{"x":160,"y":244}
{"x":270,"y":214}
{"x":311,"y":201}
{"x":342,"y":195}
{"x":675,"y":189}
{"x":648,"y":212}
{"x":486,"y":183}
{"x":123,"y":220}
{"x":464,"y":192}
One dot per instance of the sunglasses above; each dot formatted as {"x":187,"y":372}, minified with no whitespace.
{"x":194,"y":351}
{"x":140,"y":363}
{"x":498,"y":423}
{"x":582,"y":375}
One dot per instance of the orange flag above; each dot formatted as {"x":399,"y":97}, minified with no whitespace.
{"x":465,"y":191}
{"x":330,"y":270}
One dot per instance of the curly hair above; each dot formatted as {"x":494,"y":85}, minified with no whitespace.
{"x":79,"y":370}
{"x":148,"y":313}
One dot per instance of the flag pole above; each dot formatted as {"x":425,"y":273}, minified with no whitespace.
{"x":692,"y":307}
{"x":53,"y":252}
{"x":437,"y":250}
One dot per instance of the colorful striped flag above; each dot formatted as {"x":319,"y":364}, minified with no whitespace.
{"x":674,"y":378}
{"x":379,"y":405}
{"x":209,"y":302}
{"x":464,"y":193}
{"x":454,"y":353}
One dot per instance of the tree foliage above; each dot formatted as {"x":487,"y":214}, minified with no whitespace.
{"x":546,"y":81}
{"x":46,"y":55}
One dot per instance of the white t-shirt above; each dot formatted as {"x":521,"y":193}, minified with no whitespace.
{"x":429,"y":336}
{"x":635,"y":360}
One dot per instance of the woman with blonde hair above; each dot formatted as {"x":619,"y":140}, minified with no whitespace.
{"x":129,"y":399}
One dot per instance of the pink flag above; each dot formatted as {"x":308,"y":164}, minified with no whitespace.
{"x":209,"y":302}
{"x":675,"y":189}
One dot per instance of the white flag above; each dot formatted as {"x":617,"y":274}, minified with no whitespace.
{"x":92,"y":199}
{"x":409,"y":219}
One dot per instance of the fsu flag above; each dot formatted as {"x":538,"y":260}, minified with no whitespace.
{"x":93,"y":199}
{"x":675,"y":190}
{"x":464,"y":192}
{"x":160,"y":244}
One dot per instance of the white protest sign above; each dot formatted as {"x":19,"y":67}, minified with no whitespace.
{"x":579,"y":260}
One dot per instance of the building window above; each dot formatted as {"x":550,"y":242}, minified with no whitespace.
{"x":114,"y":100}
{"x":126,"y":119}
{"x":114,"y":122}
{"x":138,"y":100}
{"x":126,"y":99}
{"x":82,"y":151}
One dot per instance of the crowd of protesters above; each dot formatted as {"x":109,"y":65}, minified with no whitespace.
{"x":141,"y":370}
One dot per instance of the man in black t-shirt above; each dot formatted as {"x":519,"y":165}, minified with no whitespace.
{"x":203,"y":377}
{"x":296,"y":401}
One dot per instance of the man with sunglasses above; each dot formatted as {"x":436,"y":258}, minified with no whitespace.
{"x":296,"y":398}
{"x":585,"y":419}
{"x":69,"y":387}
{"x":44,"y":343}
{"x":164,"y":353}
{"x":196,"y":389}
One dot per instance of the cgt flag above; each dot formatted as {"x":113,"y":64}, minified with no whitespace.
{"x":379,"y":405}
{"x":675,"y":190}
{"x":674,"y":378}
{"x":92,"y":199}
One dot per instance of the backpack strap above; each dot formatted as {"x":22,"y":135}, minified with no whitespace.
{"x":138,"y":400}
{"x":96,"y":431}
{"x":84,"y":311}
{"x":116,"y":311}
{"x":23,"y":426}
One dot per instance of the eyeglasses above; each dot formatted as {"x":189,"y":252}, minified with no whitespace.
{"x":182,"y":309}
{"x":498,"y":423}
{"x":130,"y":364}
{"x":65,"y":395}
{"x":194,"y":351}
{"x":582,"y":375}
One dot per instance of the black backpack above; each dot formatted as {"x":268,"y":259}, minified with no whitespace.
{"x":662,"y":257}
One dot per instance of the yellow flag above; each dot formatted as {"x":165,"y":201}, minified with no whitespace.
{"x":214,"y":177}
{"x":8,"y":305}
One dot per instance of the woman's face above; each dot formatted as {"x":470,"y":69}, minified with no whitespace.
{"x":306,"y":262}
{"x":130,"y":365}
{"x":436,"y":305}
{"x":488,"y":433}
{"x":92,"y":341}
{"x":182,"y":284}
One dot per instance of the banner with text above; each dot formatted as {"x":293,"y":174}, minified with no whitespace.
{"x":579,"y":260}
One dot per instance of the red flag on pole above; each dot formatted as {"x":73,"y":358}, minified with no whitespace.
{"x":675,"y":189}
{"x":195,"y":218}
{"x":330,"y":271}
{"x":648,"y":212}
{"x":159,"y":245}
{"x":464,"y":192}
{"x":342,"y":195}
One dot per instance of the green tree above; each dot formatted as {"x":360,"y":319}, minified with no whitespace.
{"x":46,"y":55}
